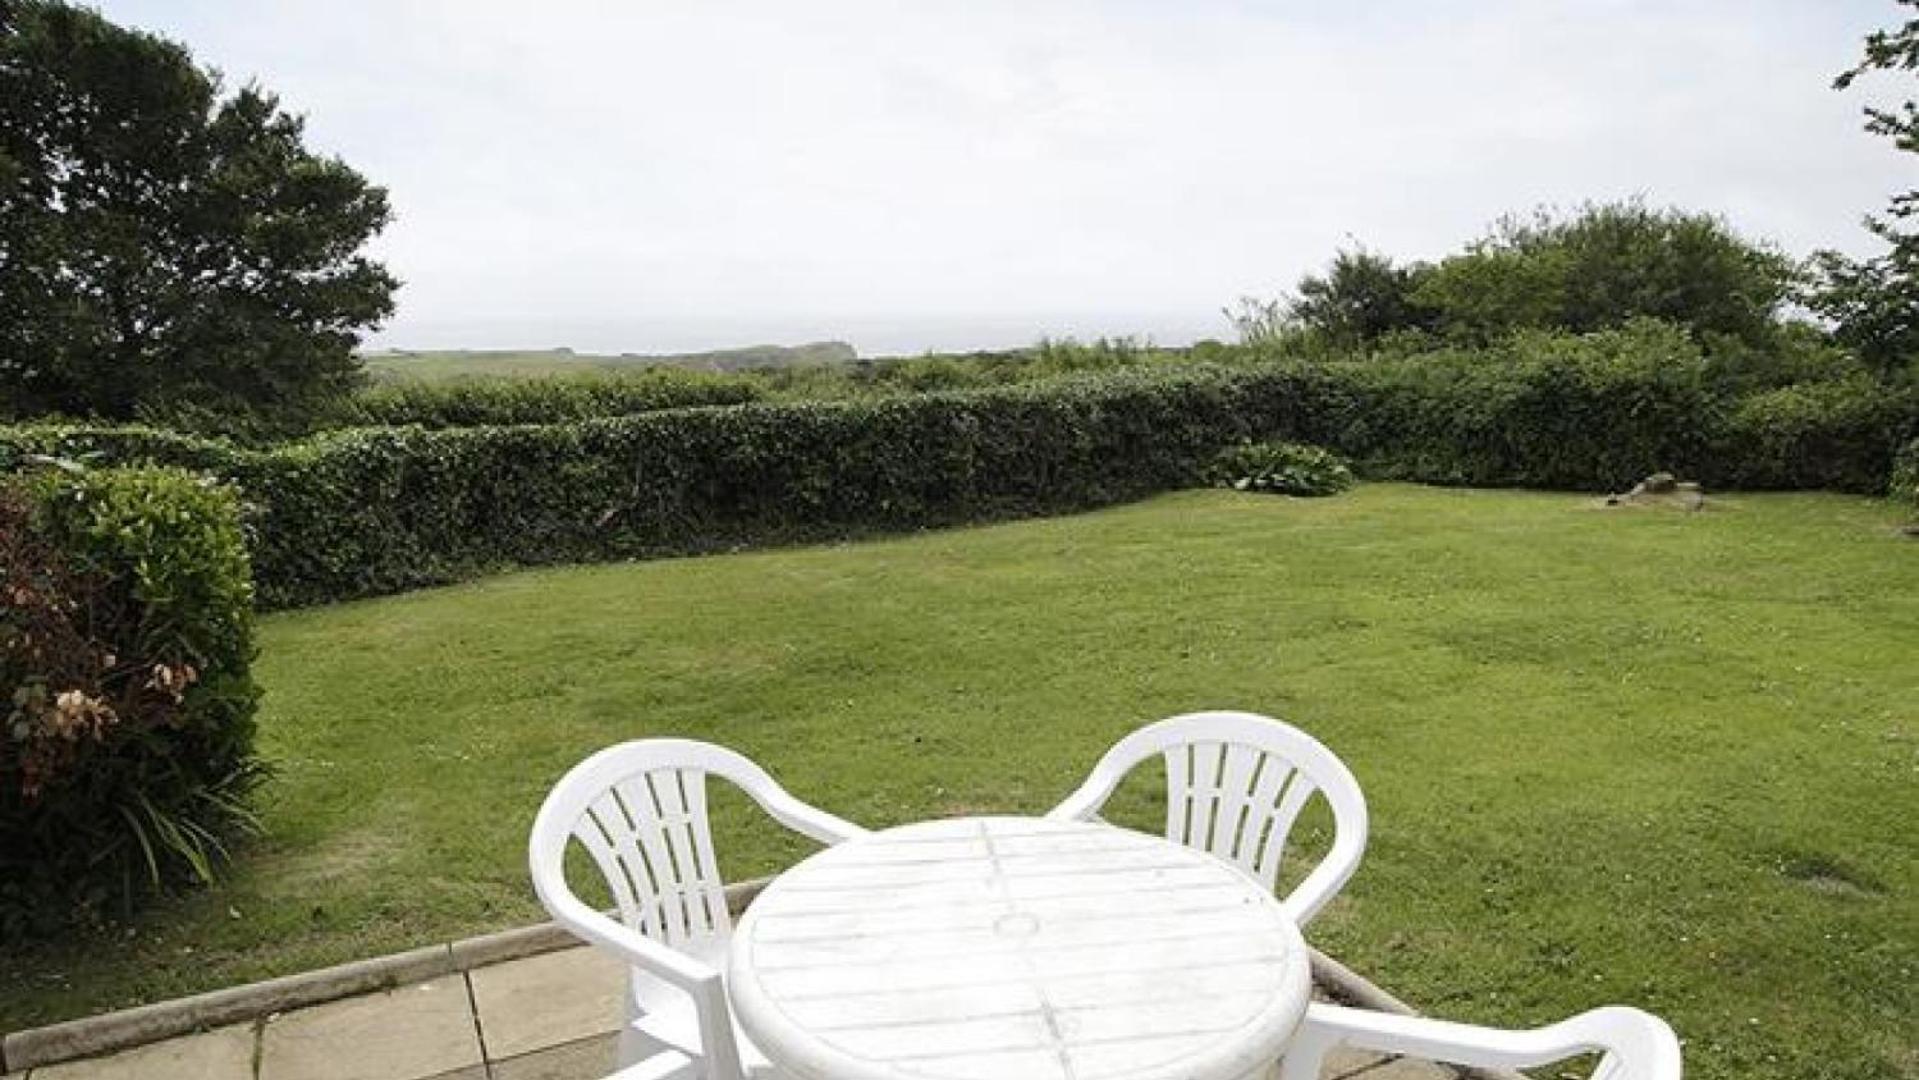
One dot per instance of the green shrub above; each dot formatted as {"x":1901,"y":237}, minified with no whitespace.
{"x":1282,"y":468}
{"x":1839,"y":434}
{"x":1589,"y":412}
{"x":115,"y":445}
{"x":1904,"y":488}
{"x":125,"y":647}
{"x":551,"y":399}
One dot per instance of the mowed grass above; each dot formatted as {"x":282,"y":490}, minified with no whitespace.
{"x":1645,"y":757}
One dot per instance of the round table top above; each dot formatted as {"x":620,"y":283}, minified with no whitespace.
{"x":987,"y":948}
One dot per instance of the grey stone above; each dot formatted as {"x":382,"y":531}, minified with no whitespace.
{"x":584,"y":1059}
{"x":546,"y":1000}
{"x":420,"y":1030}
{"x":223,"y":1054}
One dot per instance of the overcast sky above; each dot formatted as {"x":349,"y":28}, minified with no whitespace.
{"x":637,"y":176}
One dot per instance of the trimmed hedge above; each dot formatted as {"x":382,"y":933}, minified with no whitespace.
{"x":1840,"y":435}
{"x":125,"y":648}
{"x":1904,"y":488}
{"x":474,"y":402}
{"x":1593,"y":412}
{"x":361,"y":512}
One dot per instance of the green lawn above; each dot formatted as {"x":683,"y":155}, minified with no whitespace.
{"x":1634,"y":756}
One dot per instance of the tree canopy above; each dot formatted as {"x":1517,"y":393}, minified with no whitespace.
{"x":1874,"y":303}
{"x":1606,"y":264}
{"x":163,"y":241}
{"x":1601,"y":266}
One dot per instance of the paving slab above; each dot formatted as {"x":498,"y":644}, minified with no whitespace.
{"x":221,"y":1054}
{"x":1344,"y":1061}
{"x":583,"y":1059}
{"x":546,"y":1000}
{"x":1405,"y":1068}
{"x":416,"y":1031}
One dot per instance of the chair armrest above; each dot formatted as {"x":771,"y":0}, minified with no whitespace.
{"x":637,"y":949}
{"x":1085,"y":801}
{"x":1645,"y":1047}
{"x":719,"y":1052}
{"x":807,"y":820}
{"x":1332,"y":874}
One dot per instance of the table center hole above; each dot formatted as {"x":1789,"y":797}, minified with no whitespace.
{"x":1018,"y":924}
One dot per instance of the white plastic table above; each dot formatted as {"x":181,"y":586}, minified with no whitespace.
{"x":997,"y":948}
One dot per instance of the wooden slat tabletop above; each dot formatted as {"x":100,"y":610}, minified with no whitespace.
{"x":996,"y":948}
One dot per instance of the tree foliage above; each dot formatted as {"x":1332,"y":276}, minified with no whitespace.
{"x":1874,"y":303}
{"x":1605,"y":265}
{"x":1363,"y":297}
{"x":161,"y":239}
{"x":1601,"y":266}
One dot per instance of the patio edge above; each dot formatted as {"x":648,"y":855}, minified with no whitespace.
{"x":92,"y":1036}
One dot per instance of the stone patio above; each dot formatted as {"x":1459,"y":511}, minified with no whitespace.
{"x":546,"y":1017}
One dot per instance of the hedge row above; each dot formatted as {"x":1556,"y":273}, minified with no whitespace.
{"x":363,"y":512}
{"x":474,"y":402}
{"x":1904,"y":487}
{"x":125,"y":647}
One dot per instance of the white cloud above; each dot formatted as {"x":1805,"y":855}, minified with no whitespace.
{"x":642,"y":175}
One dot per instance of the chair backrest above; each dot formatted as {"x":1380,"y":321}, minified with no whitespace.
{"x":1236,"y":783}
{"x":639,"y":809}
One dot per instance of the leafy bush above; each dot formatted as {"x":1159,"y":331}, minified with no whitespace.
{"x":549,"y":400}
{"x":1585,"y":412}
{"x":1363,"y":299}
{"x":468,"y":402}
{"x":125,"y":645}
{"x":1280,"y":467}
{"x":1840,"y":434}
{"x":1904,"y":488}
{"x":1605,"y":265}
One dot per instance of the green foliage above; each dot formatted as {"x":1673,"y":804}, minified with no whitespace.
{"x":1904,"y":486}
{"x":1874,"y":303}
{"x":964,"y":371}
{"x":125,"y":651}
{"x":1592,"y":412}
{"x":554,"y":399}
{"x":1603,"y":266}
{"x":1282,"y":468}
{"x":1362,"y":299}
{"x":164,"y":241}
{"x":1840,"y":435}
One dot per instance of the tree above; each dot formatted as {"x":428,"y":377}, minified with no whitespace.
{"x":162,"y":241}
{"x":1607,"y":264}
{"x":1874,"y":303}
{"x":1363,"y":297}
{"x":1362,"y":300}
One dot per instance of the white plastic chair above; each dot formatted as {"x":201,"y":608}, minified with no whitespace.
{"x":1235,"y":783}
{"x":639,"y":809}
{"x":1635,"y":1045}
